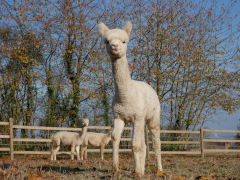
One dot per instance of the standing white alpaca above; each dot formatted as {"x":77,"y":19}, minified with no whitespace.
{"x":96,"y":139}
{"x":134,"y":101}
{"x":72,"y":139}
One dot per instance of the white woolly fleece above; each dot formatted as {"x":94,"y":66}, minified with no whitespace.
{"x":134,"y":101}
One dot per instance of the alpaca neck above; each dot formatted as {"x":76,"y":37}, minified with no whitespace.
{"x":109,"y":133}
{"x":121,"y":75}
{"x":84,"y":131}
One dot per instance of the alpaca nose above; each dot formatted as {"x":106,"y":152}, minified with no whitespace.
{"x":115,"y":45}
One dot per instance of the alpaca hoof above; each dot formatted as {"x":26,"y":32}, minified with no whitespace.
{"x":115,"y":173}
{"x":138,"y":177}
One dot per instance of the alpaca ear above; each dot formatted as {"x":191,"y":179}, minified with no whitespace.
{"x":128,"y":28}
{"x":103,"y":29}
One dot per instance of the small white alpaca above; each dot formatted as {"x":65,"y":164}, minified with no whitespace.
{"x":96,"y":139}
{"x":134,"y":101}
{"x":72,"y":139}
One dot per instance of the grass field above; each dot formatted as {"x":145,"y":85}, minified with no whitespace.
{"x":226,"y":167}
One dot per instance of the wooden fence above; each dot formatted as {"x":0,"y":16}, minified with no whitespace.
{"x":199,"y":143}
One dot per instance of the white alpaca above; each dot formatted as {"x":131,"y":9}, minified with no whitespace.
{"x":134,"y":101}
{"x":96,"y":139}
{"x":72,"y":139}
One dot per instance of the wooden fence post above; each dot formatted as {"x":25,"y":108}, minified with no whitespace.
{"x":147,"y":141}
{"x":48,"y":137}
{"x":201,"y":141}
{"x":11,"y":138}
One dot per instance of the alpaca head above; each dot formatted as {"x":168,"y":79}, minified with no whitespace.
{"x":116,"y":39}
{"x":85,"y":122}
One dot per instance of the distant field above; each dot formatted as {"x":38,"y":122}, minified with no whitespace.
{"x":176,"y":167}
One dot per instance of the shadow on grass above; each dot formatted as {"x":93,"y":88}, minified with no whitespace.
{"x":5,"y":166}
{"x":70,"y":170}
{"x":63,"y":170}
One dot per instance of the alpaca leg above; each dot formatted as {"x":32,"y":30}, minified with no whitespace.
{"x":83,"y":148}
{"x":116,"y":135}
{"x":143,"y":155}
{"x":138,"y":148}
{"x":52,"y":154}
{"x":102,"y":150}
{"x":72,"y":152}
{"x":55,"y":154}
{"x":77,"y":151}
{"x":54,"y":151}
{"x":154,"y":127}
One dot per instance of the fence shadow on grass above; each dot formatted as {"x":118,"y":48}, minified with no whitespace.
{"x":66,"y":169}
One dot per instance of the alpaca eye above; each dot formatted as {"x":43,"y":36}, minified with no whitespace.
{"x":107,"y":42}
{"x":123,"y":42}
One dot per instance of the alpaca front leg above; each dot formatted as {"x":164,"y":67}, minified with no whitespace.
{"x":72,"y":152}
{"x":83,"y":148}
{"x":51,"y":154}
{"x":102,"y":150}
{"x":116,"y":135}
{"x":77,"y":151}
{"x":54,"y":151}
{"x":138,"y":148}
{"x":143,"y":156}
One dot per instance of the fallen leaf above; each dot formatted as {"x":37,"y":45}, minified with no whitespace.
{"x":120,"y":176}
{"x":160,"y":174}
{"x":154,"y":170}
{"x":13,"y":169}
{"x":9,"y":174}
{"x":179,"y":177}
{"x":123,"y":167}
{"x":204,"y":178}
{"x":35,"y":170}
{"x":36,"y":178}
{"x":29,"y":174}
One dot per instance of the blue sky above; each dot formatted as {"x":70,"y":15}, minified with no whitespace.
{"x":225,"y":121}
